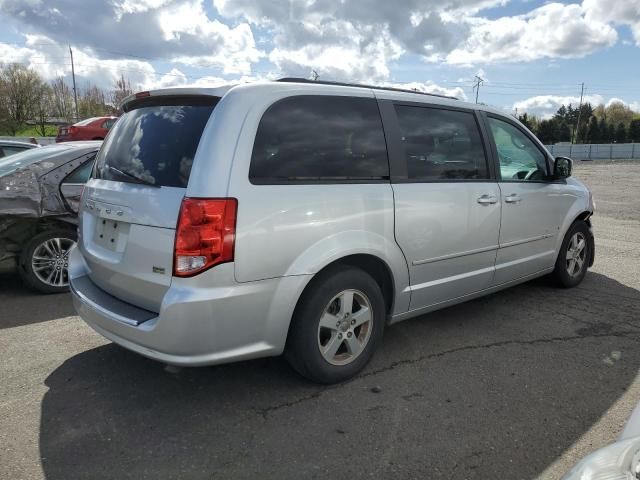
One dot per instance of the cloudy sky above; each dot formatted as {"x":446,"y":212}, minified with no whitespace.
{"x":532,"y":54}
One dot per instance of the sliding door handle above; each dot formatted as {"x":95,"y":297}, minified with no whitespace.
{"x":487,"y":200}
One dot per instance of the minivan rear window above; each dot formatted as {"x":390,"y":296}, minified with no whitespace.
{"x":310,"y":138}
{"x":156,"y":142}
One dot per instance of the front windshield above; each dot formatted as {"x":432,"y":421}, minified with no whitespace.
{"x":24,"y":159}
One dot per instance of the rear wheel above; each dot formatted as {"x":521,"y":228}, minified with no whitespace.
{"x":337,"y":326}
{"x":44,"y":262}
{"x":573,"y":259}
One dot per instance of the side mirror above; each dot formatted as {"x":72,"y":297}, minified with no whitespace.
{"x":562,"y":168}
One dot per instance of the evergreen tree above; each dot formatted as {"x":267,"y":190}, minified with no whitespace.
{"x":593,"y":135}
{"x":634,"y":130}
{"x":564,"y":132}
{"x":621,"y":133}
{"x":611,"y":133}
{"x":547,"y":132}
{"x":526,"y":121}
{"x":604,"y":131}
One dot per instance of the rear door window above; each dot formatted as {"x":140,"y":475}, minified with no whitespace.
{"x":441,"y":144}
{"x":155,"y":142}
{"x":311,"y":138}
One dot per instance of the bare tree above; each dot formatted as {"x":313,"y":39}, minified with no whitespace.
{"x":92,"y":102}
{"x":122,"y":89}
{"x":62,"y":99}
{"x":43,"y":108}
{"x":20,"y":92}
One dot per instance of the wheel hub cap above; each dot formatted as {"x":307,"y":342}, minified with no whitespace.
{"x":345,"y":327}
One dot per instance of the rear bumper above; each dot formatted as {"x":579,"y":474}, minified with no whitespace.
{"x":204,"y":320}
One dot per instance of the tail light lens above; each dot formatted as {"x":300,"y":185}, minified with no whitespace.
{"x":205,"y":236}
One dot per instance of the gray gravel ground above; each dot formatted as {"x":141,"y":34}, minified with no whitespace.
{"x":517,"y":385}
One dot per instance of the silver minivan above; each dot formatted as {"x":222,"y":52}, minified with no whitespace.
{"x":301,"y":217}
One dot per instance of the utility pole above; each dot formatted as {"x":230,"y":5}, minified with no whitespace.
{"x":576,"y":128}
{"x":476,"y":87}
{"x":73,"y":75}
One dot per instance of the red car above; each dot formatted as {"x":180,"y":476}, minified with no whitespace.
{"x":95,"y":128}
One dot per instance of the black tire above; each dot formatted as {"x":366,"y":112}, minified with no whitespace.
{"x":303,"y":344}
{"x":27,"y":273}
{"x":561,"y":275}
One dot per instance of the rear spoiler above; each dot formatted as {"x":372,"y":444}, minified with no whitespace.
{"x":160,"y":96}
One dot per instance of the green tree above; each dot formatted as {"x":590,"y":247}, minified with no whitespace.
{"x":621,"y":133}
{"x":564,"y":132}
{"x":548,"y":132}
{"x":611,"y":133}
{"x":634,"y":130}
{"x":526,"y":121}
{"x":593,"y":134}
{"x":618,"y":112}
{"x":43,"y":108}
{"x":604,"y":130}
{"x":20,"y":90}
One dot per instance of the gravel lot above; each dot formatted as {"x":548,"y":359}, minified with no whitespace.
{"x":516,"y":385}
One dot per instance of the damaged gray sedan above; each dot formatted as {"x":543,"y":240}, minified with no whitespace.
{"x":40,"y":191}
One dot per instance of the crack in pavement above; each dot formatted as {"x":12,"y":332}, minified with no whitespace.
{"x":630,"y":335}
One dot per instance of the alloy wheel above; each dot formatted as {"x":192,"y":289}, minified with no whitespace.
{"x":345,"y":327}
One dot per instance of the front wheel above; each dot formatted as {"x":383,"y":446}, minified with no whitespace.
{"x":573,"y":259}
{"x":44,"y":262}
{"x":337,"y":326}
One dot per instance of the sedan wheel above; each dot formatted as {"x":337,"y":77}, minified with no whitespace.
{"x":50,"y":261}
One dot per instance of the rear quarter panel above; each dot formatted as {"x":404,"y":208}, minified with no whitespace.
{"x":288,"y":230}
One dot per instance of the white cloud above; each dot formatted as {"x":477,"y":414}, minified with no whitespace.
{"x":171,"y":30}
{"x":554,"y":30}
{"x":544,"y":106}
{"x":430,"y":87}
{"x":619,"y":12}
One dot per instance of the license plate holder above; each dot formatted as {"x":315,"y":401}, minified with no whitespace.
{"x":108,"y":234}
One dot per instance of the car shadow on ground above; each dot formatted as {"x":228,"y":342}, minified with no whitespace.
{"x":15,"y":312}
{"x":495,"y":388}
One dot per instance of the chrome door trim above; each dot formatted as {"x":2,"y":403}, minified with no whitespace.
{"x":440,"y":281}
{"x":526,"y":240}
{"x":455,"y":255}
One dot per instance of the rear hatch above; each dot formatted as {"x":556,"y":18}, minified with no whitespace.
{"x":131,"y":205}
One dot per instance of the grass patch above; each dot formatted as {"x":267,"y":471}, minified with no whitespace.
{"x":31,"y":131}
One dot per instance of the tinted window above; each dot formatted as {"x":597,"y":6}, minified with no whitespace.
{"x":80,"y":174}
{"x":155,"y":143}
{"x":306,"y":138}
{"x":520,"y":158}
{"x":441,"y":144}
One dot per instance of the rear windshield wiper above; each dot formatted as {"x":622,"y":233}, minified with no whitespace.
{"x":131,"y":176}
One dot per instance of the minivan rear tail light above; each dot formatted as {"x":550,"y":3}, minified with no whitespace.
{"x":205,"y":235}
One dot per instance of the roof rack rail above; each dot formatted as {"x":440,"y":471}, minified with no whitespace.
{"x":374,"y":87}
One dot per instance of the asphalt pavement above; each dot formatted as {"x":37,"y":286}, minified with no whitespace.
{"x":517,"y":385}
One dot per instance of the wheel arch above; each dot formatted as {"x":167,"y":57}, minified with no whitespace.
{"x":582,"y":215}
